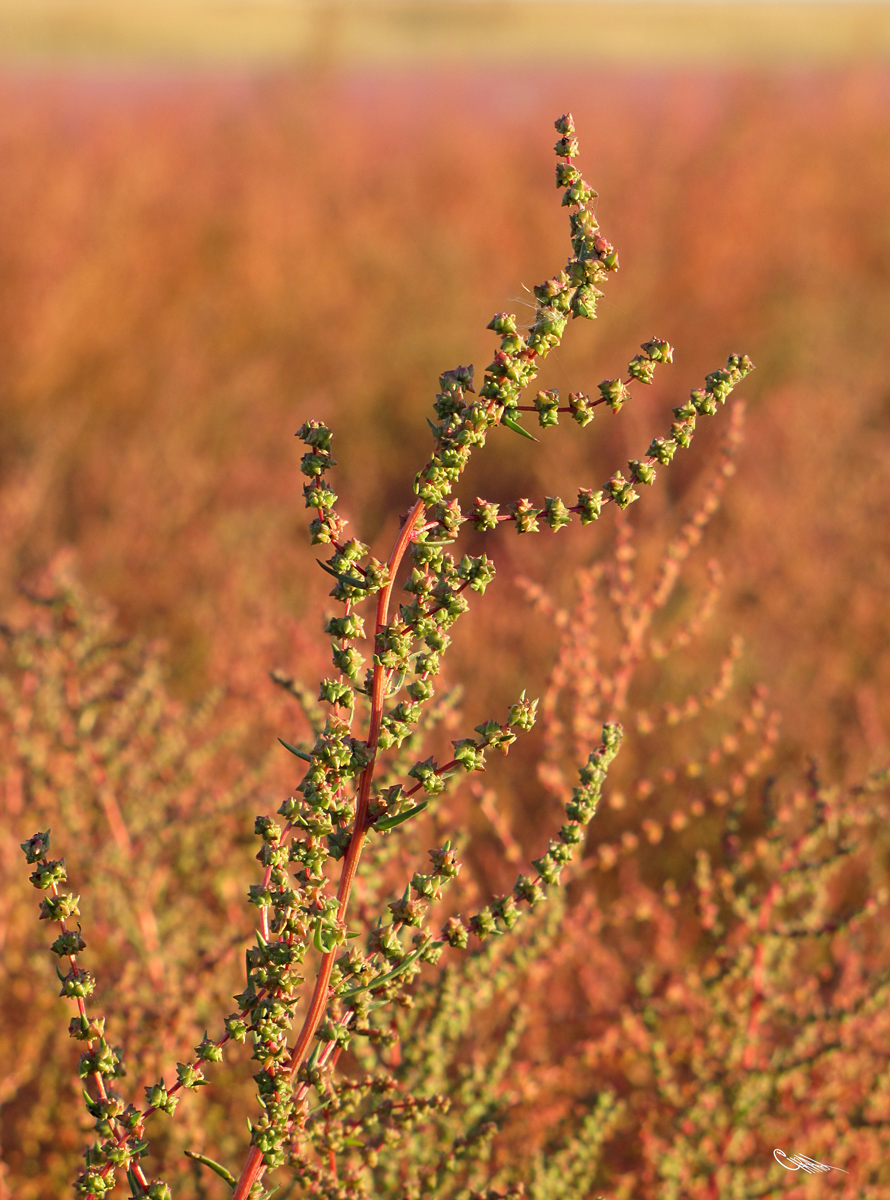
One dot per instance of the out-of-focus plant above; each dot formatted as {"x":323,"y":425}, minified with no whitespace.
{"x":339,"y":1081}
{"x":722,"y":979}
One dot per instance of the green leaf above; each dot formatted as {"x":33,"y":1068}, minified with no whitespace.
{"x":351,"y":580}
{"x":396,"y":684}
{"x":299,"y":753}
{"x":382,"y":979}
{"x":214,"y":1166}
{"x":318,"y":940}
{"x":391,"y":822}
{"x":517,"y":428}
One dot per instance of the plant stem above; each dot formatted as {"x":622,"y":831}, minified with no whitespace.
{"x":253,"y":1167}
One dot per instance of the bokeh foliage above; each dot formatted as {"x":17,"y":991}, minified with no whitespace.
{"x":191,"y":268}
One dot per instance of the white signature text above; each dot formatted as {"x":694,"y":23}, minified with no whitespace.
{"x":802,"y":1163}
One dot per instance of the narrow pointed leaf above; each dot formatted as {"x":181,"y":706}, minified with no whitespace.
{"x":299,"y":753}
{"x":214,"y":1166}
{"x":351,"y":580}
{"x":517,"y":428}
{"x":391,"y":822}
{"x":396,"y":684}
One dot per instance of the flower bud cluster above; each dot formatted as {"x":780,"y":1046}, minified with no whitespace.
{"x":618,"y":489}
{"x":119,"y":1144}
{"x":572,"y":293}
{"x":503,"y":912}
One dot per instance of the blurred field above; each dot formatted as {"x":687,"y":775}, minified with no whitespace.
{"x":192,"y":267}
{"x":456,"y":32}
{"x":193,"y":264}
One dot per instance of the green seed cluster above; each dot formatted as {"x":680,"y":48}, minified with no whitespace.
{"x":464,"y":422}
{"x":119,"y":1144}
{"x":502,"y":913}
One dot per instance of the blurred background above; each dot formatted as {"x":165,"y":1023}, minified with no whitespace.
{"x":219,"y":219}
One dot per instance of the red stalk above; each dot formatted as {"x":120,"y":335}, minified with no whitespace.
{"x":253,"y":1167}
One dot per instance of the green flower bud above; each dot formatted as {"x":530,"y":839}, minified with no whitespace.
{"x":408,"y":912}
{"x":483,"y":924}
{"x":567,"y":147}
{"x":663,"y":449}
{"x":426,"y":773}
{"x":318,"y":496}
{"x":427,"y":664}
{"x":385,"y":941}
{"x":658,"y":350}
{"x":484,"y":515}
{"x":504,"y":323}
{"x":470,"y":756}
{"x":159,"y":1098}
{"x":585,"y":297}
{"x":567,"y":174}
{"x":478,"y":571}
{"x":84,"y":1029}
{"x":77,"y":984}
{"x":641,"y":471}
{"x":590,"y":505}
{"x":522,"y":714}
{"x":703,"y":402}
{"x":158,"y":1190}
{"x":208,"y":1051}
{"x":621,"y":490}
{"x":36,"y":847}
{"x":524,"y":514}
{"x":314,"y":434}
{"x":455,"y":933}
{"x":316,"y":462}
{"x":420,"y":690}
{"x":427,"y":886}
{"x":720,"y":384}
{"x":351,"y":626}
{"x":682,"y":431}
{"x":444,"y":862}
{"x":189,"y":1075}
{"x":571,"y":834}
{"x":332,"y":691}
{"x":236,"y":1027}
{"x":556,"y":514}
{"x":93,"y":1183}
{"x":59,"y":908}
{"x":614,"y":393}
{"x":268,"y":829}
{"x":348,"y":660}
{"x":48,"y":874}
{"x":326,"y":529}
{"x":68,"y":943}
{"x":579,"y":403}
{"x":504,"y":908}
{"x":547,"y":405}
{"x":101,"y":1060}
{"x":547,"y":868}
{"x":525,"y":889}
{"x":581,"y":807}
{"x":259,"y":895}
{"x":641,"y":368}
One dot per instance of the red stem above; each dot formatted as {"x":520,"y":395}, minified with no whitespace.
{"x":253,"y":1167}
